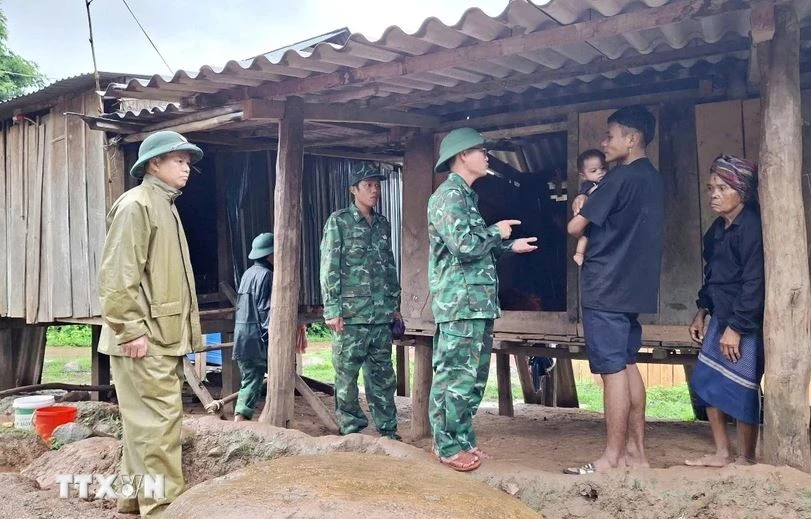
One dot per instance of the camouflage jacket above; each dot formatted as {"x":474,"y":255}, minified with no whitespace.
{"x":463,"y":252}
{"x":358,"y":276}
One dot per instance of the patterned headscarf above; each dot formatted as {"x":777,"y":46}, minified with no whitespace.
{"x":740,"y":174}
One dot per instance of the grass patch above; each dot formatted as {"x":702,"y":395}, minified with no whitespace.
{"x":69,"y":370}
{"x":71,"y":335}
{"x":670,"y":403}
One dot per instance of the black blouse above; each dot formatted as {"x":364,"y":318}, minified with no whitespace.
{"x":734,"y":290}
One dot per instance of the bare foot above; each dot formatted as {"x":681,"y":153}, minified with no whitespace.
{"x":637,"y":463}
{"x":240,"y":418}
{"x":479,"y":453}
{"x":743,"y":460}
{"x":709,"y":460}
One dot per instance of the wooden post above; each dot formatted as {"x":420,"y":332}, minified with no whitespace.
{"x":572,"y":181}
{"x":280,"y":401}
{"x":505,"y":392}
{"x":788,"y":315}
{"x":403,"y":370}
{"x":99,"y":365}
{"x":7,"y":374}
{"x":423,"y":374}
{"x":525,"y":376}
{"x":418,"y":167}
{"x":565,"y":386}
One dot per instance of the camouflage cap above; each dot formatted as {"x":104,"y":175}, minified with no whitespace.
{"x":364,"y":170}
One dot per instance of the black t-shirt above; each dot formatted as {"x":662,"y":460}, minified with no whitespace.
{"x":624,"y":253}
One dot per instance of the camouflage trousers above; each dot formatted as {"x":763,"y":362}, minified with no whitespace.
{"x":367,"y":346}
{"x":250,"y":389}
{"x":461,"y":362}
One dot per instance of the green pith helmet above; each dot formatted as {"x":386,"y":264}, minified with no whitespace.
{"x":363,"y":171}
{"x":261,"y":246}
{"x":456,"y":142}
{"x":160,"y":143}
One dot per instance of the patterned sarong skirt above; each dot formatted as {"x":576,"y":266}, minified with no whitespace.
{"x":733,"y":388}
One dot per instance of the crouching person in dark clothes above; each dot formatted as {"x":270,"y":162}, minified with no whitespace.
{"x":727,"y":375}
{"x":361,"y":295}
{"x":252,"y":322}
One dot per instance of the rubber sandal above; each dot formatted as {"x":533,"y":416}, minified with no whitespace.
{"x":582,"y":470}
{"x":479,"y":453}
{"x":458,"y":465}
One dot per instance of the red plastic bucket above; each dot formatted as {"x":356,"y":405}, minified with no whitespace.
{"x":46,"y":419}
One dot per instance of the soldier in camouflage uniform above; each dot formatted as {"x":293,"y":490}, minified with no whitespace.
{"x":464,"y":286}
{"x":361,"y":296}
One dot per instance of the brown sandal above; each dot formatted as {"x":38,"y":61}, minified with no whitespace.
{"x":461,"y":461}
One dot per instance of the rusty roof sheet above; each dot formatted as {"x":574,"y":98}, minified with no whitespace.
{"x":730,"y":27}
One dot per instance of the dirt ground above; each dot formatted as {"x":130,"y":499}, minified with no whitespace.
{"x":528,"y":453}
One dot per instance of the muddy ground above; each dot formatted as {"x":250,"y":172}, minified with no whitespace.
{"x":528,"y":454}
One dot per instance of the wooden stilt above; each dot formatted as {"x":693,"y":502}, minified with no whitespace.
{"x":565,"y":387}
{"x":786,"y":331}
{"x":99,"y":365}
{"x":403,"y":371}
{"x":278,"y":410}
{"x":505,"y":393}
{"x":421,"y":390}
{"x":230,"y":375}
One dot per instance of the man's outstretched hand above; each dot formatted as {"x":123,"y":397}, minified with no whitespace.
{"x":522,"y":245}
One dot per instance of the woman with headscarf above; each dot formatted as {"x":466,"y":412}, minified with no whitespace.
{"x":730,"y":365}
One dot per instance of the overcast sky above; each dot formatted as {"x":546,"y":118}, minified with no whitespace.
{"x":192,"y":33}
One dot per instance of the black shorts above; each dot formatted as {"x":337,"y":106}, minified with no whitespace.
{"x":613,"y":340}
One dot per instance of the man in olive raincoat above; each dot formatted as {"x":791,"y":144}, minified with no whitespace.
{"x":149,"y":306}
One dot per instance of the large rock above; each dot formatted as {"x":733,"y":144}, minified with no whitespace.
{"x":347,"y":485}
{"x":90,"y":456}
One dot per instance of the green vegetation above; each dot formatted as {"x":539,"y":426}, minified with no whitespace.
{"x":318,"y":332}
{"x":17,"y":74}
{"x":73,"y":335}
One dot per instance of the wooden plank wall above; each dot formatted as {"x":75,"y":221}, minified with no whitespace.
{"x":15,"y":220}
{"x":654,"y":375}
{"x":3,"y":229}
{"x":52,"y":223}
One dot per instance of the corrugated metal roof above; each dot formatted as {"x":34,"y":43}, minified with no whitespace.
{"x":52,"y":91}
{"x":519,"y":17}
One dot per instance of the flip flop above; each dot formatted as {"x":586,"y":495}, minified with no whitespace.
{"x":582,"y":470}
{"x":457,"y":464}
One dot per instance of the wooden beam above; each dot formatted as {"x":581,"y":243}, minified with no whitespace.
{"x":280,"y":401}
{"x":439,"y":94}
{"x":263,"y":109}
{"x":99,"y":364}
{"x":525,"y":131}
{"x":191,"y":117}
{"x":358,"y":114}
{"x":195,"y":126}
{"x":787,"y":315}
{"x":321,"y":411}
{"x":598,"y":29}
{"x":490,"y":121}
{"x":196,"y":384}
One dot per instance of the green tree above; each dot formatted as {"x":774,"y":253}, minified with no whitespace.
{"x":16,"y":73}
